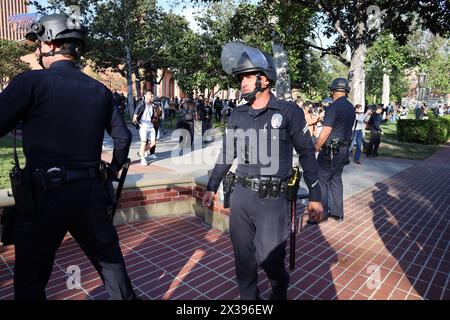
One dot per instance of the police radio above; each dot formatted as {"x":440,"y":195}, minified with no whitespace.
{"x":21,"y":184}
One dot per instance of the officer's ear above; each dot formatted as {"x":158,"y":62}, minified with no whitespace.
{"x":47,"y":46}
{"x":265,"y":81}
{"x":52,"y":46}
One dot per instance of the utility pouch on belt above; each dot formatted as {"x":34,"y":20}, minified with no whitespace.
{"x":264,"y":184}
{"x":53,"y":179}
{"x":274,"y":187}
{"x":293,"y":184}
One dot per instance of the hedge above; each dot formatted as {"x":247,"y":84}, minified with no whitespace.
{"x":434,"y":130}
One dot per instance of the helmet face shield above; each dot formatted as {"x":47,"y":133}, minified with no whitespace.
{"x":238,"y":58}
{"x":252,"y":58}
{"x":231,"y":53}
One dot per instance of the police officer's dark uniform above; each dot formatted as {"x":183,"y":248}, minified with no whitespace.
{"x":218,"y":109}
{"x":259,"y":224}
{"x":334,"y":154}
{"x":205,"y":114}
{"x":187,"y":124}
{"x":64,"y":114}
{"x":374,"y":125}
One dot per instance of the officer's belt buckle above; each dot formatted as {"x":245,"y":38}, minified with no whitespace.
{"x":249,"y":183}
{"x":255,"y":184}
{"x":252,"y":183}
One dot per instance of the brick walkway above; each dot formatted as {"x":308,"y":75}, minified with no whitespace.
{"x":396,"y":232}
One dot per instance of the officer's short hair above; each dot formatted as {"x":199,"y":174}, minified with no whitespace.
{"x":74,"y":46}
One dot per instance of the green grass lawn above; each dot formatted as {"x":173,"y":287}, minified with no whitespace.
{"x":7,"y":158}
{"x":219,"y":125}
{"x":391,"y":147}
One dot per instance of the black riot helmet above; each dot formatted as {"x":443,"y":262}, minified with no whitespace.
{"x":60,"y":29}
{"x":256,"y":62}
{"x":339,"y":84}
{"x":238,"y":59}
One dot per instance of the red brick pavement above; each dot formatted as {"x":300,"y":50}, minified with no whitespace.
{"x":393,"y":244}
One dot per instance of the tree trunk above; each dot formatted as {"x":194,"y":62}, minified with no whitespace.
{"x":386,"y":90}
{"x":357,"y":76}
{"x":283,"y":84}
{"x":130,"y":103}
{"x":137,"y":83}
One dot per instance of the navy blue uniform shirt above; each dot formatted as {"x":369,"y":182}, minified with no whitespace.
{"x":341,"y":116}
{"x":205,"y":112}
{"x":65,"y":114}
{"x":375,"y":122}
{"x":280,"y":125}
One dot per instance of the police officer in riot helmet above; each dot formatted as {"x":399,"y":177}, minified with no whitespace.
{"x":56,"y":34}
{"x":332,"y":145}
{"x":64,"y":114}
{"x":259,"y":210}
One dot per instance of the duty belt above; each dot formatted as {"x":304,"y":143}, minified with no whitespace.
{"x":249,"y":183}
{"x":266,"y":186}
{"x":338,"y":142}
{"x":55,"y":177}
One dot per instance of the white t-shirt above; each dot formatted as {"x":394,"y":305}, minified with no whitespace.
{"x":146,"y":118}
{"x":359,"y":119}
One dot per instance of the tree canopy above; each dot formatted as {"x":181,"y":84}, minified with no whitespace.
{"x":136,"y":38}
{"x":10,"y":63}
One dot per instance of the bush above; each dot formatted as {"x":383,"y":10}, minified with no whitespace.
{"x":431,"y":131}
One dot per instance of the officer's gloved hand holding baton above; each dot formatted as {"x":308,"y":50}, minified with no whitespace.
{"x":315,"y":211}
{"x":208,"y":197}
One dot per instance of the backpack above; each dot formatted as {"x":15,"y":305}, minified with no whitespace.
{"x":156,"y":116}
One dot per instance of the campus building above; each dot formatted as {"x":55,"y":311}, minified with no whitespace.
{"x":9,"y":10}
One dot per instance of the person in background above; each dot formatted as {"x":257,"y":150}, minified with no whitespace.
{"x":359,"y":131}
{"x":374,"y":125}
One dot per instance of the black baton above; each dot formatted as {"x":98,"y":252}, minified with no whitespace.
{"x":293,"y":232}
{"x":121,"y":181}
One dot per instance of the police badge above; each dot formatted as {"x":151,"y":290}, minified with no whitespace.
{"x":276,"y":120}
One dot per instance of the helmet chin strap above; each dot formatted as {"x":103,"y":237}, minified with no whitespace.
{"x":50,"y":54}
{"x":251,"y":96}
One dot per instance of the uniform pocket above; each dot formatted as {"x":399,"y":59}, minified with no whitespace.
{"x":283,"y":134}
